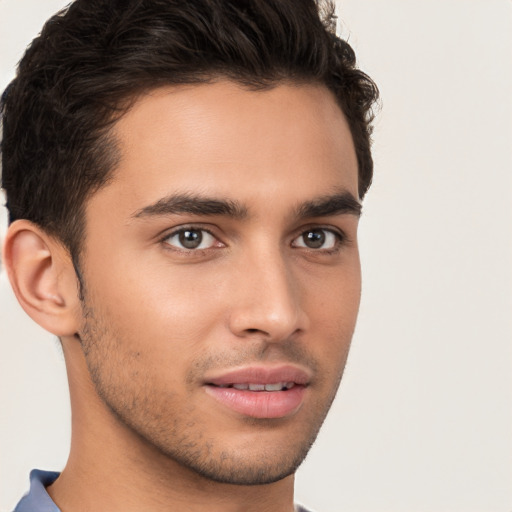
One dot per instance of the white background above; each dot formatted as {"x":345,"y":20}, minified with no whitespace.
{"x":423,"y":421}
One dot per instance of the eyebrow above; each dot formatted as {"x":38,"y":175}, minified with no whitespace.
{"x":195,"y":205}
{"x":337,"y":204}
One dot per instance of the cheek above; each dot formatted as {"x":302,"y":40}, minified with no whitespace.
{"x":332,"y":310}
{"x":166,"y":311}
{"x":334,"y":296}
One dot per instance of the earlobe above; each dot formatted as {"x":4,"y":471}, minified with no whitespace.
{"x":42,"y":277}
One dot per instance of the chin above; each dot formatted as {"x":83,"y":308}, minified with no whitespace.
{"x":258,"y":460}
{"x":239,"y":470}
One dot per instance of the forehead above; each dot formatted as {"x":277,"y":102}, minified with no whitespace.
{"x":225,"y":140}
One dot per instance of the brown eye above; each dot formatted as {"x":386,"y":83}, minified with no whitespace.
{"x":314,"y":239}
{"x":318,"y":238}
{"x":190,"y":239}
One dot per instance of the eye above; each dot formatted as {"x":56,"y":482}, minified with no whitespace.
{"x":318,"y":238}
{"x":191,"y":239}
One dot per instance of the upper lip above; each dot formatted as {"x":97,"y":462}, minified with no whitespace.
{"x":260,"y":374}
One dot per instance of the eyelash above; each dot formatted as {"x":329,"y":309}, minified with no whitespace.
{"x":339,"y":235}
{"x":185,"y":250}
{"x":340,"y":239}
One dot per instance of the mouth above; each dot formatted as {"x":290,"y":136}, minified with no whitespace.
{"x":260,"y":392}
{"x":278,"y":386}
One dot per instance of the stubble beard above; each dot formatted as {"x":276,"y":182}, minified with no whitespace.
{"x":176,"y":437}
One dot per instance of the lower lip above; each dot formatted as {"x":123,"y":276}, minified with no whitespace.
{"x":259,"y":404}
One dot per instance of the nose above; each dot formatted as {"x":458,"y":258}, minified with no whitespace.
{"x":267,"y":300}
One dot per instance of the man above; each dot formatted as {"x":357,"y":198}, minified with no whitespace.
{"x":184,"y":182}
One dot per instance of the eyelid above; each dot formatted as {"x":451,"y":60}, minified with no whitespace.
{"x":190,"y":227}
{"x":340,"y":235}
{"x":326,"y":227}
{"x":342,"y":238}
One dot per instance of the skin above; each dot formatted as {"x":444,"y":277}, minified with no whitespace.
{"x":158,"y":320}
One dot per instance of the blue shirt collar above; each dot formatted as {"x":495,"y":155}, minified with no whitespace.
{"x":37,"y":499}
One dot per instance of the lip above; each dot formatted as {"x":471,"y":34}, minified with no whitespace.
{"x":260,"y":404}
{"x":261,"y":375}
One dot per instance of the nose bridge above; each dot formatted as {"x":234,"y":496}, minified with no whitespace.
{"x":268,"y":296}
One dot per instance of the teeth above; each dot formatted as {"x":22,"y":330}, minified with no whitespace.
{"x":274,"y":387}
{"x":278,"y":386}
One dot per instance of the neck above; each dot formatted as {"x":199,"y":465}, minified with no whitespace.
{"x":111,"y":468}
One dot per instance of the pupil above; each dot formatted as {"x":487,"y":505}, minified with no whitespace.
{"x":191,"y":239}
{"x":314,"y":239}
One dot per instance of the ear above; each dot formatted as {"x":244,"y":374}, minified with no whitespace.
{"x":43,"y":278}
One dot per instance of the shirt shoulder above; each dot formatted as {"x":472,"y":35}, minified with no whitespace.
{"x":38,"y":500}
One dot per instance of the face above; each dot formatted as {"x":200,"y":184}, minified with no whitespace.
{"x":222,"y":277}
